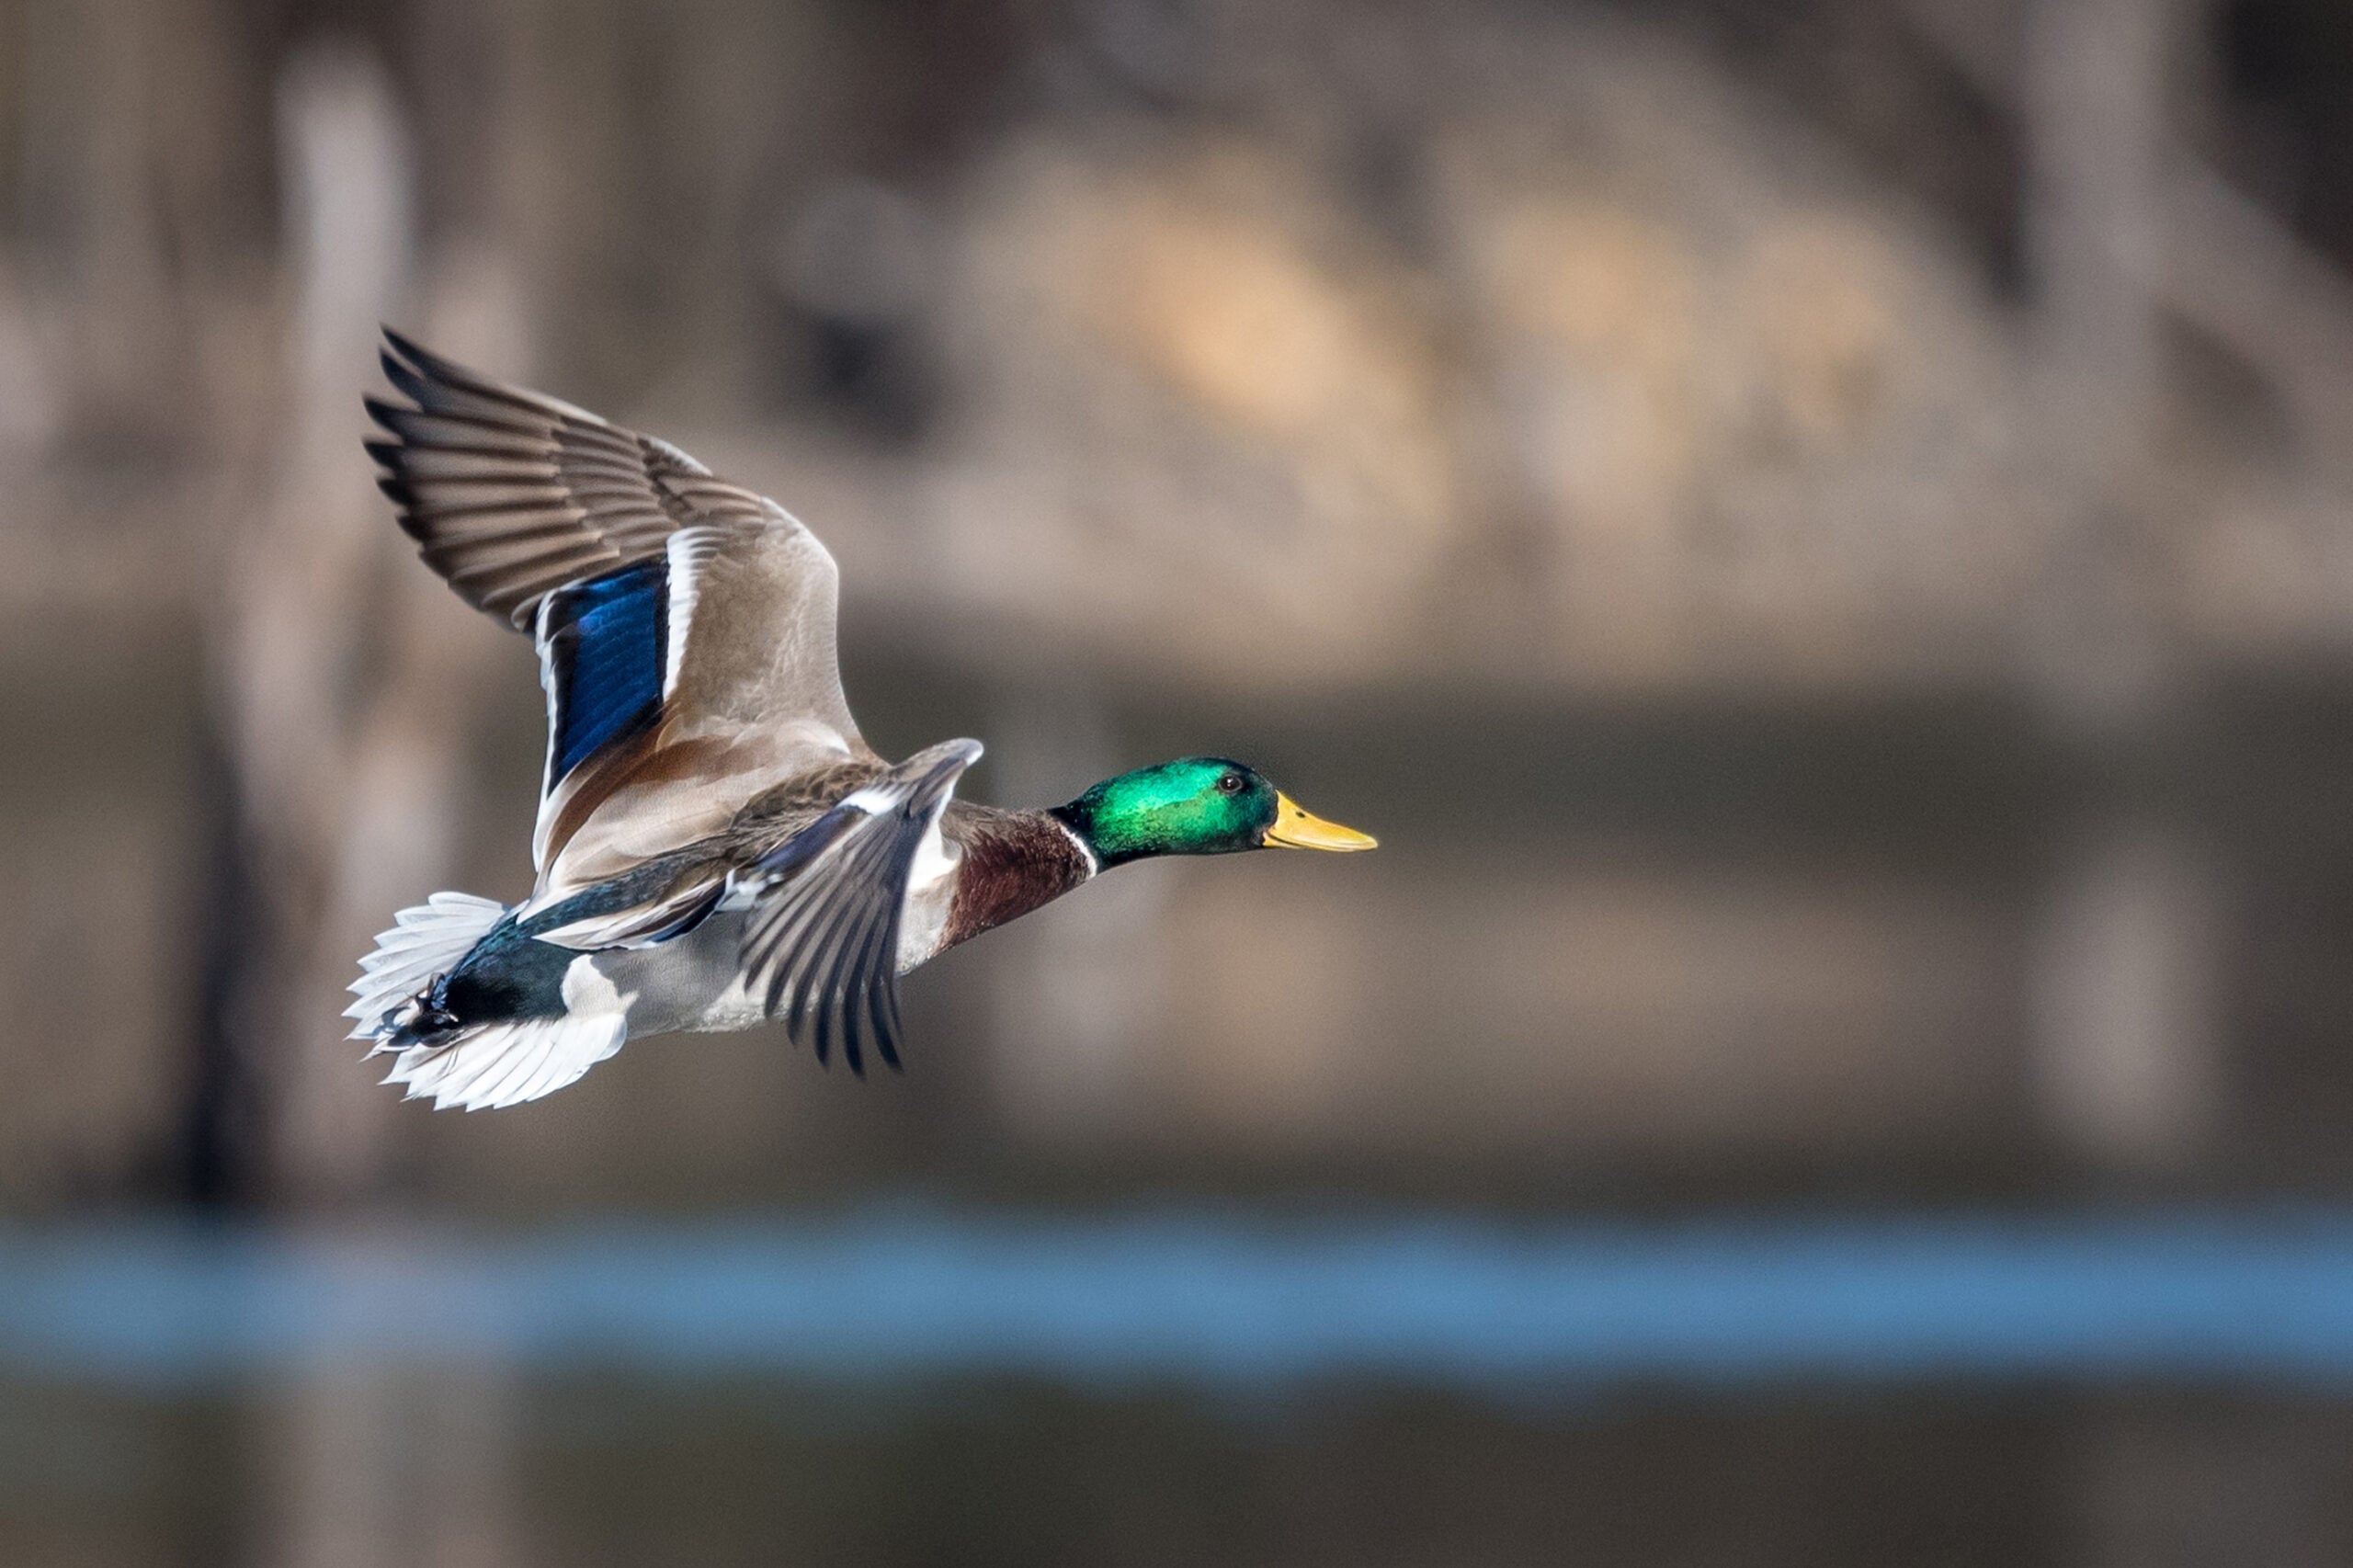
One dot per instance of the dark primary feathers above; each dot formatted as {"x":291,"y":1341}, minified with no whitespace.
{"x":511,"y":494}
{"x":820,"y":947}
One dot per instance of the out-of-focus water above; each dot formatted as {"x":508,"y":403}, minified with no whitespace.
{"x":909,"y":1385}
{"x":1225,"y":1302}
{"x":592,"y":1468}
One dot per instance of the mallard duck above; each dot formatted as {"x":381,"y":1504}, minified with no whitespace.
{"x":716,"y":845}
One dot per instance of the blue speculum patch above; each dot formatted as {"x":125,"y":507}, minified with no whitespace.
{"x":606,"y":642}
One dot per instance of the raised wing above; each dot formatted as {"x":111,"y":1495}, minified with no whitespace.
{"x":684,"y":625}
{"x":821,"y":945}
{"x":510,"y":495}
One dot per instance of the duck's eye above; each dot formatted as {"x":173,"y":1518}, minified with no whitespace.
{"x":1230,"y":783}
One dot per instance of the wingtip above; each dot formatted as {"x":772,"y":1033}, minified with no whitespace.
{"x":418,"y":363}
{"x":404,"y":362}
{"x":407,"y":362}
{"x":401,"y":343}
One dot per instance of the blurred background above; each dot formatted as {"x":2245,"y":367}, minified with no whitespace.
{"x":1814,"y":530}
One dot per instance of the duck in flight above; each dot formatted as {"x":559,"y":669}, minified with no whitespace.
{"x":716,"y":845}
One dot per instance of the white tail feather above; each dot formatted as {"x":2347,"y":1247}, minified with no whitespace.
{"x":426,"y":939}
{"x":504,"y":1064}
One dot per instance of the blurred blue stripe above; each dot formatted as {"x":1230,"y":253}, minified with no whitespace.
{"x":1237,"y":1301}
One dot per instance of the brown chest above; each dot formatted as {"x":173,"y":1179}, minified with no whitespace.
{"x":1012,"y":862}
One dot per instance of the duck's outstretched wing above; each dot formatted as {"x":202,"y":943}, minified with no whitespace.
{"x":822,"y":943}
{"x":511,"y":494}
{"x":684,"y":625}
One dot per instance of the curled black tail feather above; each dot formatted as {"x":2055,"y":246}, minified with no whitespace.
{"x":426,"y":942}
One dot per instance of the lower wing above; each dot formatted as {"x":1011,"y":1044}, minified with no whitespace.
{"x":821,"y":945}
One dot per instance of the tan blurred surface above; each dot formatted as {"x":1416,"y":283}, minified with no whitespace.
{"x":1508,"y":427}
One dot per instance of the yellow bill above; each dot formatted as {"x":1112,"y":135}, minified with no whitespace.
{"x":1298,"y":828}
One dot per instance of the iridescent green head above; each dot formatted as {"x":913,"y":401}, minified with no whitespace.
{"x":1197,"y":805}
